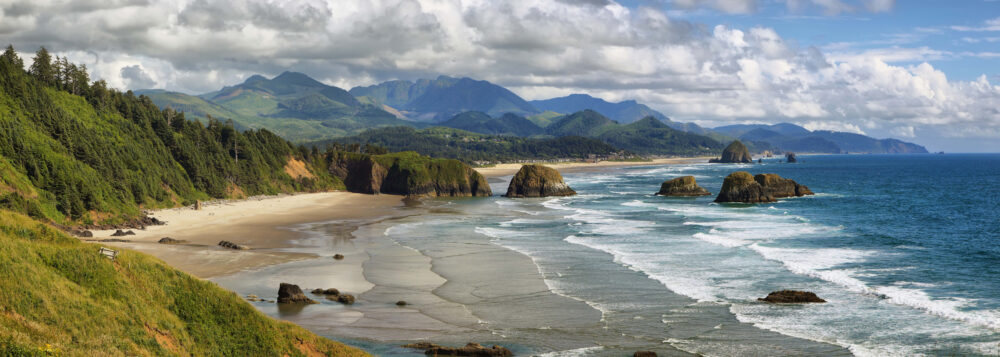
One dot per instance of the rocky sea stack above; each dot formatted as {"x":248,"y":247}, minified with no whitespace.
{"x":736,"y":153}
{"x":292,"y":294}
{"x":538,"y":181}
{"x":790,"y":157}
{"x":407,"y":173}
{"x":791,"y":297}
{"x":740,"y":186}
{"x":684,"y":186}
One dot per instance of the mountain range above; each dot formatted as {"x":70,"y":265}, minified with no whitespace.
{"x":302,"y":109}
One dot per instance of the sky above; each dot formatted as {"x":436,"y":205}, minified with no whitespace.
{"x":921,"y":71}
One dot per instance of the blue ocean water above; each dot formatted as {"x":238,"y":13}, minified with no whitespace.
{"x":903,"y":247}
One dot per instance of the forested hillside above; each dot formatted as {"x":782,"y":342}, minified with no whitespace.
{"x":78,"y":153}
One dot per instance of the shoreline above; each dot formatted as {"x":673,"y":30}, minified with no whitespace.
{"x":500,"y":170}
{"x":259,"y":223}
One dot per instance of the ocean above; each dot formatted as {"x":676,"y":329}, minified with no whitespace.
{"x":903,"y":248}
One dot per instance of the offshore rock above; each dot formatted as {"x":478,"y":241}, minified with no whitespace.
{"x":538,"y":181}
{"x":684,"y":186}
{"x":740,"y":186}
{"x":779,"y":187}
{"x":791,"y":297}
{"x":231,"y":245}
{"x":736,"y":152}
{"x":292,"y":294}
{"x":407,"y":173}
{"x":471,"y":349}
{"x":790,"y":157}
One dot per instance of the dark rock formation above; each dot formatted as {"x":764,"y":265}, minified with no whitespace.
{"x":291,"y":294}
{"x":791,"y":297}
{"x":82,"y":233}
{"x":401,"y":303}
{"x":538,"y":181}
{"x":346,"y":299}
{"x":684,"y":186}
{"x":471,"y":349}
{"x":736,"y":152}
{"x":407,"y":173}
{"x":121,"y":233}
{"x":338,"y":256}
{"x":779,"y":187}
{"x":168,"y":240}
{"x":790,"y":157}
{"x":741,"y":187}
{"x":644,"y":354}
{"x":330,"y":291}
{"x":114,"y":240}
{"x":231,"y":245}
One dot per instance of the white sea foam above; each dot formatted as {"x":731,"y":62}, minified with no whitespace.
{"x":574,"y":352}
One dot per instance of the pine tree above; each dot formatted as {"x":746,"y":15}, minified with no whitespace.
{"x":11,"y":57}
{"x":42,"y":67}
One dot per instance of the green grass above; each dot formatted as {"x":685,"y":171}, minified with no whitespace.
{"x":60,"y":295}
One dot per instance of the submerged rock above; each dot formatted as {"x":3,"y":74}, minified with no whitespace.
{"x":401,"y":303}
{"x":736,"y":152}
{"x":346,"y":299}
{"x":790,"y":157}
{"x":168,"y":240}
{"x":538,"y":181}
{"x":644,"y":354}
{"x":471,"y":349}
{"x":684,"y":186}
{"x":791,"y":297}
{"x":338,"y":256}
{"x":741,"y":187}
{"x":779,"y":187}
{"x":231,"y":245}
{"x":330,"y":291}
{"x":292,"y":294}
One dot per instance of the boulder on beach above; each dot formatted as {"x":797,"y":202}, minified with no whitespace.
{"x":168,"y":240}
{"x":121,"y":233}
{"x":82,"y":233}
{"x":292,"y":294}
{"x":779,"y":187}
{"x":741,"y":187}
{"x":644,"y":354}
{"x":790,"y":157}
{"x":231,"y":245}
{"x":330,"y":291}
{"x":401,"y":303}
{"x":684,"y":186}
{"x":471,"y":349}
{"x":735,"y":153}
{"x":538,"y":181}
{"x":346,"y":299}
{"x":338,"y":256}
{"x":791,"y":297}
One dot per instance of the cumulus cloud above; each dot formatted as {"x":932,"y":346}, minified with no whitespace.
{"x":691,"y":71}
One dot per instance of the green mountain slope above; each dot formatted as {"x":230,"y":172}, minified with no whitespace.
{"x":651,"y":136}
{"x":440,"y":99}
{"x":507,"y":124}
{"x":61,"y":297}
{"x":586,"y":123}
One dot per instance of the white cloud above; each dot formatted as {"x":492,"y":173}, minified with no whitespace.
{"x":988,"y":25}
{"x":833,"y":126}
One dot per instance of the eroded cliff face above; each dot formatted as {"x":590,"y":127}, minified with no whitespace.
{"x":684,"y":186}
{"x":408,"y":174}
{"x":736,"y":152}
{"x":780,"y":187}
{"x":740,"y":186}
{"x":538,"y":181}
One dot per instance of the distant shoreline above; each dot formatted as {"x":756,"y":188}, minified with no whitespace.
{"x":510,"y":169}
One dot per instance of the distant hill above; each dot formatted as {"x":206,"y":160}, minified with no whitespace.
{"x":507,"y":124}
{"x":293,"y":105}
{"x":791,"y":137}
{"x":586,"y":123}
{"x":651,"y":136}
{"x":442,"y":98}
{"x":622,"y":112}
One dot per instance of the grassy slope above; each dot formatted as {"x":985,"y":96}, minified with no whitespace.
{"x":60,"y":295}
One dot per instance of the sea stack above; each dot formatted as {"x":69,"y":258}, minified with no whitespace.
{"x":735,"y":153}
{"x":292,"y":294}
{"x":790,"y":157}
{"x":538,"y":181}
{"x":791,"y":297}
{"x":684,"y":186}
{"x":740,"y":186}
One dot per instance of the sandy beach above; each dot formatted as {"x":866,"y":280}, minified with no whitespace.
{"x":259,"y":223}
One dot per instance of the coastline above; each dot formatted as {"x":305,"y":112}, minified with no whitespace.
{"x":510,"y":169}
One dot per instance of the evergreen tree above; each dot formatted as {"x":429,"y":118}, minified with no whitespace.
{"x":42,"y":67}
{"x":11,"y":56}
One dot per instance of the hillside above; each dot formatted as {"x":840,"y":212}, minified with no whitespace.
{"x":472,"y":147}
{"x":650,"y":136}
{"x":442,"y":98}
{"x":587,"y":123}
{"x":292,"y":105}
{"x":791,"y":137}
{"x":623,"y":112}
{"x":61,"y":297}
{"x":507,"y":124}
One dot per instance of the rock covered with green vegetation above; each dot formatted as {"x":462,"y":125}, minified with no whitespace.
{"x":779,"y":187}
{"x":407,"y":173}
{"x":735,"y":153}
{"x":684,"y":186}
{"x":538,"y":181}
{"x":791,"y":297}
{"x":62,"y":297}
{"x":740,"y":186}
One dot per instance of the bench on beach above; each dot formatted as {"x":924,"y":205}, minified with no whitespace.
{"x":110,"y":253}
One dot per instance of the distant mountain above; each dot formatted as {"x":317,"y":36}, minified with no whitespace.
{"x":293,"y":105}
{"x":651,"y":136}
{"x":587,"y":123}
{"x":507,"y":124}
{"x":791,"y":137}
{"x":623,"y":112}
{"x":442,"y":98}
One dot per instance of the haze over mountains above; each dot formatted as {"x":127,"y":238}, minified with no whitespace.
{"x":303,"y":109}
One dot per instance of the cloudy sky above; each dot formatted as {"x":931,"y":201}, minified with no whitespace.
{"x":923,"y":71}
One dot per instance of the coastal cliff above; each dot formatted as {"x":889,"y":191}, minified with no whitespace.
{"x":736,"y":153}
{"x":684,"y":186}
{"x":779,"y":187}
{"x":742,"y":187}
{"x":407,"y":173}
{"x":538,"y":181}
